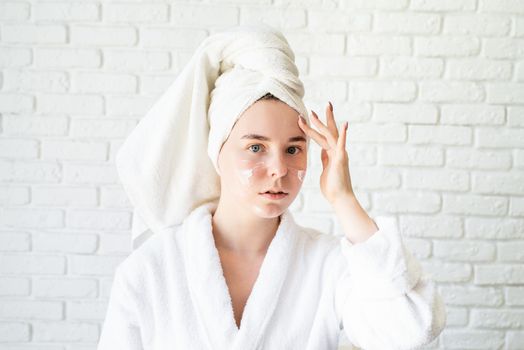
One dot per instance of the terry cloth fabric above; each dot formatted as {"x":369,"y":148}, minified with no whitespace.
{"x":168,"y":164}
{"x":171,"y":293}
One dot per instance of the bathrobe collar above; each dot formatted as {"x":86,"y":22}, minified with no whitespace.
{"x":209,"y":290}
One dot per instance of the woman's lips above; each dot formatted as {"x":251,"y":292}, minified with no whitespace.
{"x":274,"y":195}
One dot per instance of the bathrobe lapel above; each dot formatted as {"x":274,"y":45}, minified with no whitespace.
{"x":208,"y":287}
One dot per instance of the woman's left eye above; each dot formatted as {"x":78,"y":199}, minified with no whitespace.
{"x":296,"y":148}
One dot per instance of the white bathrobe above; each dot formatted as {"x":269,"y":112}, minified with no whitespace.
{"x":171,"y":293}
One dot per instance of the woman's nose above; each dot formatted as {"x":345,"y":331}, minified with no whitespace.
{"x":277,"y":166}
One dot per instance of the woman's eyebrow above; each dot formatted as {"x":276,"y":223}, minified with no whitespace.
{"x":265,"y":138}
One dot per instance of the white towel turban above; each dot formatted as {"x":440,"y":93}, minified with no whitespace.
{"x":168,"y":164}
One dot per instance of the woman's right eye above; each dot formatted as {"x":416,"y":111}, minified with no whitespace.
{"x":257,"y":145}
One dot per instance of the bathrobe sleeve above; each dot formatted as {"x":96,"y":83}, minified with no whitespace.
{"x":121,"y":328}
{"x":384,"y":301}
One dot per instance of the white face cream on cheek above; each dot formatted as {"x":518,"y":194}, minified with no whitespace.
{"x":252,"y":174}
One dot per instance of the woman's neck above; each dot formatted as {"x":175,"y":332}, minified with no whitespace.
{"x":240,"y":231}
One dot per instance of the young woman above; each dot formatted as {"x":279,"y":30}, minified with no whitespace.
{"x":240,"y":273}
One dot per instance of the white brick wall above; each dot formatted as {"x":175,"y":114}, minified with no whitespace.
{"x":433,"y":91}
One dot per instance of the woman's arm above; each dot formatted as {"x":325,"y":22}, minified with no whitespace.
{"x":383,"y":300}
{"x":121,"y":328}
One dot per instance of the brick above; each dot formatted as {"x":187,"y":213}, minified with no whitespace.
{"x":70,"y":242}
{"x":115,"y":244}
{"x":478,"y":24}
{"x":508,"y":48}
{"x":11,"y":57}
{"x":70,"y":104}
{"x":472,"y":339}
{"x":408,"y":202}
{"x":405,"y":113}
{"x":411,"y":67}
{"x":66,"y":11}
{"x":90,"y":174}
{"x":511,"y":93}
{"x":65,"y":332}
{"x":472,"y":296}
{"x":501,"y":319}
{"x":382,"y":91}
{"x":34,"y":33}
{"x":85,"y":35}
{"x":16,"y":103}
{"x":499,"y":137}
{"x":86,"y":310}
{"x":319,"y":19}
{"x":505,"y":6}
{"x":179,"y":38}
{"x":438,"y":180}
{"x":516,"y":206}
{"x":104,"y":83}
{"x":478,"y":69}
{"x":95,"y":128}
{"x":49,"y":57}
{"x":132,"y":60}
{"x":514,"y":295}
{"x":447,"y":272}
{"x":18,"y":148}
{"x":511,"y":251}
{"x":93,"y":264}
{"x":13,"y":195}
{"x":13,"y":332}
{"x":378,"y":44}
{"x":188,"y":14}
{"x":66,"y":196}
{"x":15,"y":241}
{"x":12,"y":11}
{"x":443,"y":5}
{"x":65,"y":288}
{"x":498,"y":183}
{"x":470,"y":204}
{"x":99,"y":219}
{"x":17,"y":264}
{"x":342,"y":66}
{"x":472,"y":114}
{"x":440,"y":134}
{"x":442,"y":226}
{"x":313,"y":43}
{"x":411,"y":156}
{"x":30,"y":172}
{"x":407,"y":23}
{"x":502,"y":274}
{"x":374,"y":4}
{"x":136,"y":13}
{"x":32,"y":80}
{"x":74,"y":150}
{"x":15,"y":286}
{"x":32,"y":218}
{"x":447,"y":46}
{"x":472,"y":251}
{"x":470,"y":158}
{"x":129,"y":105}
{"x":18,"y":125}
{"x":494,"y":228}
{"x":450,"y":91}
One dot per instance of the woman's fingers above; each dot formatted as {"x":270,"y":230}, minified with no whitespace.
{"x":315,"y":135}
{"x":331,"y":124}
{"x":324,"y":130}
{"x":341,"y":143}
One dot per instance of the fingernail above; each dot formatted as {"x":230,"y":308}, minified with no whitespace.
{"x":330,"y":106}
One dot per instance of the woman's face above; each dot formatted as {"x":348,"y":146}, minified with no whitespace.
{"x":266,"y":150}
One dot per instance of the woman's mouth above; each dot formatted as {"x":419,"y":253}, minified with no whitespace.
{"x":270,"y":195}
